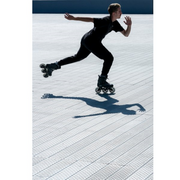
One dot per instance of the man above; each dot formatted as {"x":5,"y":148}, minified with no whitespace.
{"x":91,"y":42}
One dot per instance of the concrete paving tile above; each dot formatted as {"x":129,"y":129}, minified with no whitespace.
{"x":78,"y":134}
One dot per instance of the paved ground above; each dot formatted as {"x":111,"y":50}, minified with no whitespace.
{"x":78,"y":134}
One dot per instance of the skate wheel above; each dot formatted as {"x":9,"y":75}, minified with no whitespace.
{"x":45,"y":75}
{"x":42,"y":65}
{"x":112,"y":90}
{"x":105,"y":90}
{"x":98,"y":90}
{"x":43,"y":70}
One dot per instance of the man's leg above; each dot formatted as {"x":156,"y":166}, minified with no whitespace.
{"x":81,"y":54}
{"x":49,"y":68}
{"x":101,"y":52}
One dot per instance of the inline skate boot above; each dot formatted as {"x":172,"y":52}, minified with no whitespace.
{"x":104,"y":86}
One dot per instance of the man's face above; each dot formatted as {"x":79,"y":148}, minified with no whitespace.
{"x":118,"y":13}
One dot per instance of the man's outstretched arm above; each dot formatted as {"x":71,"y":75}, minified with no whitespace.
{"x":85,"y":19}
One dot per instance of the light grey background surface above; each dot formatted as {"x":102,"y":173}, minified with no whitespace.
{"x":78,"y":134}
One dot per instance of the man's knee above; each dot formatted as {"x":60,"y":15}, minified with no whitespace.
{"x":78,"y":57}
{"x":109,"y":57}
{"x":81,"y":56}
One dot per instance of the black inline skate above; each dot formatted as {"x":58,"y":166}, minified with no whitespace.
{"x":104,"y":86}
{"x":47,"y":69}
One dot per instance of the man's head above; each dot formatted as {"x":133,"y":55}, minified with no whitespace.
{"x":115,"y":8}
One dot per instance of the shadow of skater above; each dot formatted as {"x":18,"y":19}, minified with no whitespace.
{"x":108,"y":105}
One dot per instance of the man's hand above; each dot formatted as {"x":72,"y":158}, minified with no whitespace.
{"x":141,"y":109}
{"x":69,"y":17}
{"x":128,"y":21}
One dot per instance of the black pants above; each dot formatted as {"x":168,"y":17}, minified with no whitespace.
{"x":89,"y":45}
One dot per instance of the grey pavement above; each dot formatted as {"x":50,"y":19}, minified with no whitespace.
{"x":78,"y":134}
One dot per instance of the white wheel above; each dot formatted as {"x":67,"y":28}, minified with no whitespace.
{"x":105,"y":90}
{"x":45,"y":75}
{"x":43,"y":70}
{"x":112,"y":90}
{"x":42,"y":65}
{"x":98,"y":90}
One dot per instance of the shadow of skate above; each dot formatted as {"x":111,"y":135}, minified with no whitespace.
{"x":108,"y":105}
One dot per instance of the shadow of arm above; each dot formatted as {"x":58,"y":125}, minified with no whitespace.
{"x":141,"y":108}
{"x":89,"y":115}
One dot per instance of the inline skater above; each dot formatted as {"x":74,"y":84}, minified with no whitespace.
{"x":91,"y":42}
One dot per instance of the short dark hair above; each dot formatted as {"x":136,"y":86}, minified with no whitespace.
{"x":113,"y":7}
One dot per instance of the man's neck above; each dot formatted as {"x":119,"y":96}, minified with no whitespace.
{"x":113,"y":18}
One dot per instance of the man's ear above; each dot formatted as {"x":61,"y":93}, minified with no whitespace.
{"x":113,"y":13}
